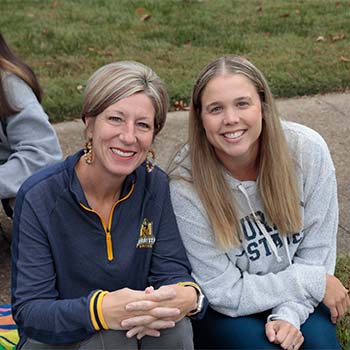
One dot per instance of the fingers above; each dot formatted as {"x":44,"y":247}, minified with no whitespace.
{"x":149,"y":332}
{"x":147,"y":320}
{"x":270,"y":332}
{"x":162,"y":294}
{"x":161,"y":324}
{"x":293,"y":339}
{"x":334,"y":314}
{"x":141,"y":331}
{"x":285,"y":334}
{"x":336,"y":298}
{"x":143,"y":305}
{"x":149,"y":290}
{"x":151,"y":309}
{"x":137,"y":321}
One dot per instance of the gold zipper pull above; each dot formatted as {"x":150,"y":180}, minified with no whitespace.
{"x":109,"y":245}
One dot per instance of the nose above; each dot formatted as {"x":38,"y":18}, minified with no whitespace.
{"x":127,"y":134}
{"x":231,"y":116}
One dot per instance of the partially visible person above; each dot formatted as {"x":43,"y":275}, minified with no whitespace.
{"x":28,"y":141}
{"x":98,"y":261}
{"x":256,"y":204}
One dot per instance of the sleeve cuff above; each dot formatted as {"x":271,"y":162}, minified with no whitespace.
{"x":95,"y":308}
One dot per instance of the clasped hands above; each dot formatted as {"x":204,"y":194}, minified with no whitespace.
{"x":147,"y":312}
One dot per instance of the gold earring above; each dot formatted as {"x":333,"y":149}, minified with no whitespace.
{"x":150,"y":160}
{"x":88,"y":155}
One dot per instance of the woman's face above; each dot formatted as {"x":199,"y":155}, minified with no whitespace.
{"x":232,"y":119}
{"x":122,"y":135}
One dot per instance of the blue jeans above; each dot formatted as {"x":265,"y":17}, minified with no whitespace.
{"x":217,"y":331}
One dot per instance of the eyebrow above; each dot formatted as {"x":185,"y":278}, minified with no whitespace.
{"x":235,"y":100}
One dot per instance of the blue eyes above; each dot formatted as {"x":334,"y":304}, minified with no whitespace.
{"x":143,"y":125}
{"x":114,"y":119}
{"x":219,"y":109}
{"x":216,"y":109}
{"x":119,"y":120}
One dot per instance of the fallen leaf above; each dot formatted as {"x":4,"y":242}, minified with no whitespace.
{"x":109,"y":53}
{"x":46,"y":31}
{"x":181,"y":106}
{"x":187,"y":43}
{"x":320,"y":38}
{"x":259,"y":9}
{"x":344,"y":59}
{"x":145,"y":17}
{"x":267,"y":34}
{"x":140,"y":11}
{"x":337,"y":4}
{"x":338,"y":37}
{"x":284,"y":15}
{"x":80,"y":87}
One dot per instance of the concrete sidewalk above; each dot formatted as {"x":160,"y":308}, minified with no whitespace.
{"x":328,"y":114}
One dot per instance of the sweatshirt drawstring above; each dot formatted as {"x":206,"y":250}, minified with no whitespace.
{"x":285,"y":241}
{"x":262,"y":228}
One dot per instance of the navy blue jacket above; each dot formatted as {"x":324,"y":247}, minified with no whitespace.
{"x":63,"y":253}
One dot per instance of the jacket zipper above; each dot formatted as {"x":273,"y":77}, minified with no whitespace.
{"x":107,"y":229}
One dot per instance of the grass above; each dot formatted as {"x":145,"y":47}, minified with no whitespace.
{"x":66,"y":41}
{"x":343,"y":327}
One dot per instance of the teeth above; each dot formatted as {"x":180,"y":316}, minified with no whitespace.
{"x":121,"y":153}
{"x":234,"y":135}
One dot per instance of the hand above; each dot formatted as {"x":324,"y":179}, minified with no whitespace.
{"x":114,"y":307}
{"x":158,"y":305}
{"x":160,"y":312}
{"x":284,"y":333}
{"x":336,"y":298}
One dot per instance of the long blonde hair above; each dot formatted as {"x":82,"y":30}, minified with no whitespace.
{"x":277,"y":179}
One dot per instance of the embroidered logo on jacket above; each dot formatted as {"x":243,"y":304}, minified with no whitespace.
{"x":146,"y":238}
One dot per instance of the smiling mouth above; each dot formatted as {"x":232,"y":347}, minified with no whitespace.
{"x":234,"y":135}
{"x":122,"y":153}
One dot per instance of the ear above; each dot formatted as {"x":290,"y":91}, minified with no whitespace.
{"x":89,"y":126}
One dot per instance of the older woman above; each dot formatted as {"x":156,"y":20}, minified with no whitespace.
{"x":256,"y":204}
{"x":97,"y":258}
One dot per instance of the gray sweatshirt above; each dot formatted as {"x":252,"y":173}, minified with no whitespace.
{"x":267,"y":271}
{"x":28,"y":141}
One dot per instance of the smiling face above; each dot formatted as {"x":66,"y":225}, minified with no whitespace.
{"x":122,"y":135}
{"x":232,"y":119}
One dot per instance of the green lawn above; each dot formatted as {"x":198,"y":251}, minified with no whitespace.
{"x":303,"y":47}
{"x":343,"y":273}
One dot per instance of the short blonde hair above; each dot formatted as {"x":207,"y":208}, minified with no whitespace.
{"x":118,"y":80}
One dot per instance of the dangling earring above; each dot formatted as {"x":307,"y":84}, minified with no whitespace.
{"x":150,"y":160}
{"x":88,"y":156}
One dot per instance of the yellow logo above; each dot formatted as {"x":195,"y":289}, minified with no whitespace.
{"x":146,"y":238}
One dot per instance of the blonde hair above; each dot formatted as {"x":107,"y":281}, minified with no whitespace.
{"x":118,"y":80}
{"x":277,"y":180}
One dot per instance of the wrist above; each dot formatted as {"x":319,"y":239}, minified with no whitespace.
{"x":200,"y":297}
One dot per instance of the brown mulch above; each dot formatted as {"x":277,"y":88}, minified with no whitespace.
{"x":5,"y":259}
